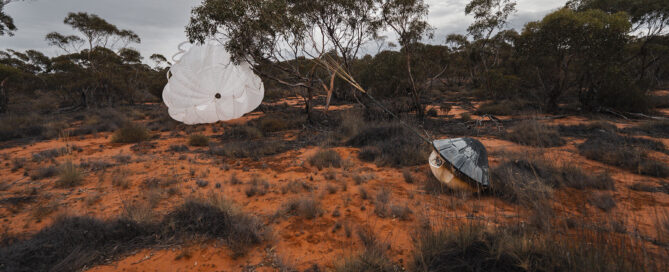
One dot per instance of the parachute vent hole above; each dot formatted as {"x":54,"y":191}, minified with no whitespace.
{"x":218,"y":96}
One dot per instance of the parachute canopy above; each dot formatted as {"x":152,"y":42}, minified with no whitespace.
{"x":206,"y":87}
{"x":460,"y":163}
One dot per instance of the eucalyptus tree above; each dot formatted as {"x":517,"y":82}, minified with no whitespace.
{"x":408,"y":20}
{"x":105,"y":71}
{"x":578,"y":51}
{"x":650,"y":27}
{"x":96,"y":33}
{"x":285,"y":39}
{"x":490,"y":17}
{"x":7,"y":26}
{"x":159,"y":60}
{"x":461,"y":49}
{"x":19,"y":72}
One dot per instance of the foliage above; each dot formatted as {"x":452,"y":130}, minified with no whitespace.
{"x":325,"y":158}
{"x":533,"y":133}
{"x":398,"y":146}
{"x":6,"y":22}
{"x":84,"y":241}
{"x":198,"y":140}
{"x":130,"y":133}
{"x":472,"y":247}
{"x":104,"y":72}
{"x":567,"y":49}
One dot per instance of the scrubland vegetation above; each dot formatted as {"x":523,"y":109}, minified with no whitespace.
{"x":572,"y":109}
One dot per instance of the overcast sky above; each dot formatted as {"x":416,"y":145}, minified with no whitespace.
{"x":160,"y":23}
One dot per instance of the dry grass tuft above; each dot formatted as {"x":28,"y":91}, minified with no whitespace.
{"x":533,"y":133}
{"x":324,"y":158}
{"x":257,"y":186}
{"x":69,"y":176}
{"x":306,"y":207}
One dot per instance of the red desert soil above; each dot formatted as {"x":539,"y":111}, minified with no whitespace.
{"x":295,"y":241}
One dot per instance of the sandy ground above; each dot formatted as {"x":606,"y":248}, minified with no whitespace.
{"x":295,"y":242}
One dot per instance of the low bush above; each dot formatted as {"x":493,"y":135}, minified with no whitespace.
{"x":257,"y":187}
{"x":533,"y":133}
{"x":198,"y":140}
{"x":178,"y":148}
{"x":398,"y":146}
{"x":276,"y":122}
{"x":84,"y":241}
{"x":242,"y":132}
{"x":130,"y":133}
{"x":296,"y":187}
{"x":21,"y":126}
{"x":119,"y":178}
{"x":470,"y":247}
{"x":651,"y":188}
{"x":100,"y":120}
{"x":307,"y":207}
{"x":505,"y":107}
{"x":408,"y":177}
{"x":625,"y":152}
{"x":44,"y":172}
{"x":249,"y":149}
{"x":51,"y":154}
{"x":324,"y":158}
{"x":373,"y":256}
{"x":525,"y":181}
{"x":351,"y":123}
{"x":433,"y":186}
{"x":574,"y":177}
{"x":521,"y":182}
{"x":400,"y":211}
{"x":69,"y":176}
{"x":234,"y":180}
{"x":369,"y":153}
{"x":603,"y":201}
{"x":272,"y":124}
{"x":586,"y":130}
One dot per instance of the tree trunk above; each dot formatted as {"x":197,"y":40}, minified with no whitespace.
{"x":414,"y":89}
{"x":307,"y":104}
{"x":4,"y":99}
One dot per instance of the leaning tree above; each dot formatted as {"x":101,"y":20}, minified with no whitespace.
{"x":286,"y":39}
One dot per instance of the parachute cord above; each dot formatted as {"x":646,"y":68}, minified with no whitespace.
{"x":329,"y":64}
{"x":181,"y":51}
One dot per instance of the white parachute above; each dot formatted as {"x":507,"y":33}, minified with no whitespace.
{"x":206,"y":87}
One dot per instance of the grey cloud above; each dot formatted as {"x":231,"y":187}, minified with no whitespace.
{"x":160,"y":23}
